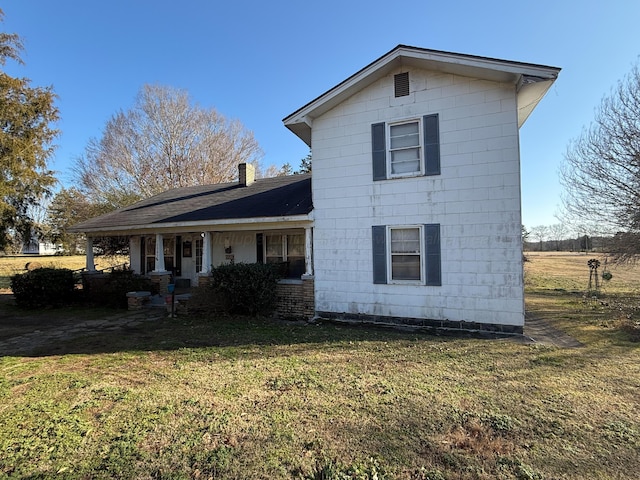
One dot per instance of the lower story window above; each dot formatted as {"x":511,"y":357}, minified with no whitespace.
{"x":405,"y":253}
{"x":286,"y":250}
{"x":150,"y":254}
{"x":169,"y":248}
{"x":199,"y":255}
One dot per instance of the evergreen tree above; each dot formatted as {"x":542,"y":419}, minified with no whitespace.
{"x":26,"y":135}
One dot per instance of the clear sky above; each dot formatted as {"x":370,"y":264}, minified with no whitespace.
{"x":258,"y":61}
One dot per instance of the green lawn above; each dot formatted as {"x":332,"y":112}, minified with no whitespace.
{"x":256,"y":398}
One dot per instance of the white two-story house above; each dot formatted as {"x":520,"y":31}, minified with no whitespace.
{"x":412,"y":212}
{"x":416,"y":189}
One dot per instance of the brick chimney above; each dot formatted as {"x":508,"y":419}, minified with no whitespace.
{"x":246,"y":174}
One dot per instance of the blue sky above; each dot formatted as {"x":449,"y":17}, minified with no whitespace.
{"x":258,"y":61}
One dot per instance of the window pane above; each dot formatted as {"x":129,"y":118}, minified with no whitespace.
{"x":274,"y":246}
{"x":169,"y":246}
{"x":404,"y":129}
{"x":405,"y":141}
{"x":295,"y":246}
{"x":405,"y":135}
{"x":405,"y":161}
{"x":151,"y":246}
{"x":405,"y":240}
{"x":405,"y":267}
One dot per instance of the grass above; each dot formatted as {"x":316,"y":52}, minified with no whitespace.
{"x":10,"y":265}
{"x":257,"y":398}
{"x":556,"y":284}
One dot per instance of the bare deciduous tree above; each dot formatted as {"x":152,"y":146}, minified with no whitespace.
{"x":601,"y":169}
{"x":557,"y":233}
{"x":164,"y":141}
{"x":540,"y":233}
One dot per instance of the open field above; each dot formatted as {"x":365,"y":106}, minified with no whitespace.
{"x":569,"y":271}
{"x":243,"y":398}
{"x":10,"y":265}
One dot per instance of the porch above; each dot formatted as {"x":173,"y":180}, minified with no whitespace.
{"x":295,"y":298}
{"x":186,"y":260}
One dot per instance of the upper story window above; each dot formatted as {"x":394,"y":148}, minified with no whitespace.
{"x":407,"y":148}
{"x":404,"y":148}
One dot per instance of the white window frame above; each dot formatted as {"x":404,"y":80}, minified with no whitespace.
{"x":421,"y":255}
{"x":420,"y":147}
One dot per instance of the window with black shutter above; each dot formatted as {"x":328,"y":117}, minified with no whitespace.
{"x":406,"y":149}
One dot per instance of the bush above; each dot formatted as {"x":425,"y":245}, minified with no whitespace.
{"x":244,"y":288}
{"x":43,"y":287}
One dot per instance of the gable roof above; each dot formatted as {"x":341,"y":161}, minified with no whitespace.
{"x":532,"y":81}
{"x":268,"y":198}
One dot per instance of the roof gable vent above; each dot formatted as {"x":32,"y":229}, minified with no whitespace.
{"x":401,"y":84}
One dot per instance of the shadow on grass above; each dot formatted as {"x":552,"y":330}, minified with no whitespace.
{"x":82,"y":330}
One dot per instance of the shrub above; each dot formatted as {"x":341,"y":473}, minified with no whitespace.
{"x":244,"y":288}
{"x":43,"y":287}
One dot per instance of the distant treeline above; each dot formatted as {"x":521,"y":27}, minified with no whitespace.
{"x":584,"y":243}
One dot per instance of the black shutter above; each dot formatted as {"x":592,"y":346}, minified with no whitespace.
{"x":431,"y":144}
{"x":143,"y":256}
{"x":178,"y":256}
{"x":379,"y":150}
{"x":432,"y":254}
{"x":259,"y":248}
{"x":379,"y":238}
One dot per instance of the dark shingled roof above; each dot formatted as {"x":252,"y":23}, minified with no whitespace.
{"x":268,"y":197}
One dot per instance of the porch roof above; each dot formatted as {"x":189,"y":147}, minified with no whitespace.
{"x":268,"y":198}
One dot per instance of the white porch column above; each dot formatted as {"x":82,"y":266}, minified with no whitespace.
{"x":90,"y":262}
{"x":308,"y":250}
{"x":206,"y":254}
{"x":159,"y":254}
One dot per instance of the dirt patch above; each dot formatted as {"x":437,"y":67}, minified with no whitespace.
{"x":540,"y":331}
{"x":23,"y":331}
{"x":15,"y":321}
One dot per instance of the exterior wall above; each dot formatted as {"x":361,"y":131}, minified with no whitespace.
{"x":475,"y":199}
{"x":134,"y":254}
{"x":242,"y":245}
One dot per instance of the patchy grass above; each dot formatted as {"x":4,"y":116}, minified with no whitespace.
{"x":258,"y":398}
{"x":556,"y":284}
